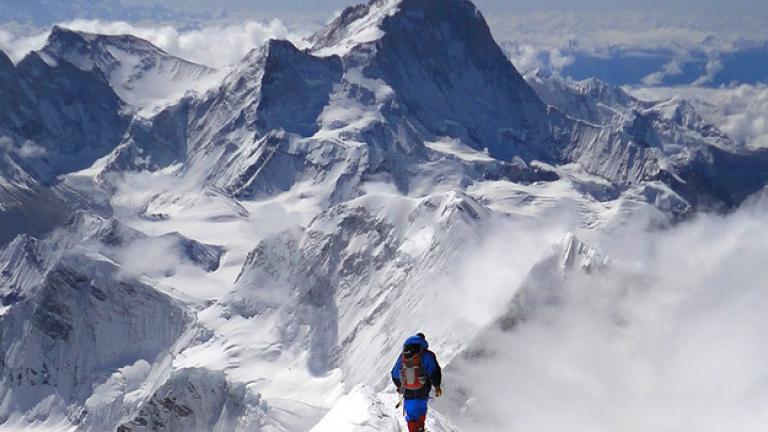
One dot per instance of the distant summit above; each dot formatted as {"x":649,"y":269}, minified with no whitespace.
{"x":142,"y":74}
{"x":442,"y":62}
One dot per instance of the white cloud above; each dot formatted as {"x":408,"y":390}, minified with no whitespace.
{"x":217,"y":45}
{"x":739,"y":111}
{"x":16,"y":43}
{"x":25,"y":150}
{"x":549,"y":38}
{"x":599,"y":32}
{"x":714,"y":65}
{"x":670,"y":69}
{"x":671,"y":339}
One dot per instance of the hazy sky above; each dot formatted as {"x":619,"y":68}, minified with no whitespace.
{"x":728,"y":19}
{"x":280,"y":7}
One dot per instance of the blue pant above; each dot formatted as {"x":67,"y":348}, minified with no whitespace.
{"x":415,"y":409}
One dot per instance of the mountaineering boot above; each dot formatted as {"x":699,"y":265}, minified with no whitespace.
{"x":418,"y":425}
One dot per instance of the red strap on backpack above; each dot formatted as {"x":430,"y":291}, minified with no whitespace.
{"x":412,"y":372}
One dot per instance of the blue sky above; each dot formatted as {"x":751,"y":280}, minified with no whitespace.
{"x":682,"y":7}
{"x":726,"y":19}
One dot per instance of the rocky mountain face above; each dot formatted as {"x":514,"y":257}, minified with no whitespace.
{"x":26,"y":206}
{"x":637,"y":141}
{"x":54,"y":119}
{"x":140,"y":73}
{"x":242,"y":257}
{"x":67,"y":106}
{"x":432,"y":58}
{"x":70,"y":319}
{"x":400,"y":82}
{"x":66,"y":117}
{"x":197,"y":399}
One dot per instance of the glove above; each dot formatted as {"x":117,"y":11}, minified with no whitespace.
{"x":438,"y":392}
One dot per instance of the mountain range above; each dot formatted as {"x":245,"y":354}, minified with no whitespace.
{"x":189,"y":249}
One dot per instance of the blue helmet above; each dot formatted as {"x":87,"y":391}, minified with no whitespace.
{"x":418,"y":340}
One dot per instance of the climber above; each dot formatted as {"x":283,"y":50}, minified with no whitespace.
{"x":415,"y":372}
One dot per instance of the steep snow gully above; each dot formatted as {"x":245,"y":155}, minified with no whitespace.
{"x":185,"y":249}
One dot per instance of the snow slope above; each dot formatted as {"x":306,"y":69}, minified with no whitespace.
{"x":362,"y":410}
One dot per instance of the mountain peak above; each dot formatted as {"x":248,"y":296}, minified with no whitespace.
{"x":364,"y":23}
{"x":63,"y":41}
{"x":58,"y":32}
{"x":356,"y":25}
{"x":434,"y":54}
{"x":143,"y":75}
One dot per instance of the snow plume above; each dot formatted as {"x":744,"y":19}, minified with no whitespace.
{"x":671,"y":337}
{"x":213,"y":44}
{"x":490,"y":270}
{"x":16,"y":43}
{"x":739,"y":111}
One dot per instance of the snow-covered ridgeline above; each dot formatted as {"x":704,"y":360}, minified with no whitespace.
{"x":307,"y":209}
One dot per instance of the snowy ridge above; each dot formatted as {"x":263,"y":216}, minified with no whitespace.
{"x":362,"y":410}
{"x":356,"y":25}
{"x":630,"y":141}
{"x":143,"y":75}
{"x":251,"y":256}
{"x":388,"y":253}
{"x":591,"y":100}
{"x":56,"y":341}
{"x":198,"y":400}
{"x":111,"y":238}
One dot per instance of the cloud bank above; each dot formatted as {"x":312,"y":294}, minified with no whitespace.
{"x":671,"y":338}
{"x":661,"y":49}
{"x":216,"y":44}
{"x":739,"y":111}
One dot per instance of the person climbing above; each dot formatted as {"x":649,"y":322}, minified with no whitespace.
{"x":415,"y":371}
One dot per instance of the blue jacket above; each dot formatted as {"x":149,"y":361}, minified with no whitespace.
{"x":429,"y":364}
